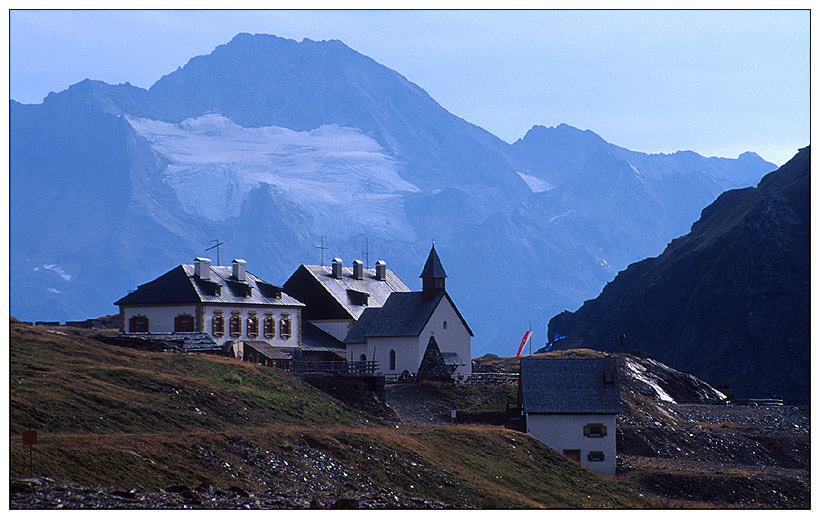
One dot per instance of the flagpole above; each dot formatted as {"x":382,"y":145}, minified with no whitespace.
{"x":530,"y":339}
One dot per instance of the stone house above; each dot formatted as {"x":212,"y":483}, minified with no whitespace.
{"x":571,"y":405}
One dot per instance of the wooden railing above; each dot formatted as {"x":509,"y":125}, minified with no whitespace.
{"x":492,"y":378}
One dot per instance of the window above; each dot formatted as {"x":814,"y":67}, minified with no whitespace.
{"x":253,"y":325}
{"x":362,"y":357}
{"x":138,"y":324}
{"x":184,"y":323}
{"x":269,"y":326}
{"x":595,"y":430}
{"x":573,"y":454}
{"x":218,"y":325}
{"x":595,"y":456}
{"x":444,"y":325}
{"x":236,"y":325}
{"x":392,"y":360}
{"x":284,"y":327}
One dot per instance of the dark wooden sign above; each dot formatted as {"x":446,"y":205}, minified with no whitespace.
{"x":29,"y":437}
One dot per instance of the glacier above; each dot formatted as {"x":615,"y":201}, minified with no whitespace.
{"x":342,"y":178}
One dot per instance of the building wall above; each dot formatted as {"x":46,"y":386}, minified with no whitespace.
{"x":406,"y":349}
{"x":454,"y":338}
{"x":566,"y":431}
{"x":160,"y":317}
{"x":161,"y":320}
{"x":335,"y":327}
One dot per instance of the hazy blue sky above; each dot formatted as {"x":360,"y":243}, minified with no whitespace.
{"x":715,"y":82}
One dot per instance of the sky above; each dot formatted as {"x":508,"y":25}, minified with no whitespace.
{"x":715,"y":82}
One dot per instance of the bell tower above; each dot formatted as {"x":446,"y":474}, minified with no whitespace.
{"x":432,"y":276}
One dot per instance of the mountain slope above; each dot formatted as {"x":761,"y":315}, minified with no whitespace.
{"x":270,"y":144}
{"x":729,"y":302}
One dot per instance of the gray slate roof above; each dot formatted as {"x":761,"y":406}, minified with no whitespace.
{"x":181,"y":286}
{"x":404,"y":314}
{"x":268,"y":351}
{"x":378,"y":290}
{"x":569,"y":386}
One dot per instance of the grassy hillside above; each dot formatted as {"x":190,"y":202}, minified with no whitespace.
{"x":128,"y":419}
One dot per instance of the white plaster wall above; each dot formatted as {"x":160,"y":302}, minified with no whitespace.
{"x":244,"y":313}
{"x":407,"y":357}
{"x":354,"y":351}
{"x":566,"y":431}
{"x":455,"y":338}
{"x":337,"y":329}
{"x":160,"y":318}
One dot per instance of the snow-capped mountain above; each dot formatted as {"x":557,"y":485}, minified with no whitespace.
{"x":270,"y":144}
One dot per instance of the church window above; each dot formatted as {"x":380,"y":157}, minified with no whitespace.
{"x":236,"y":325}
{"x":218,"y":325}
{"x":138,"y":324}
{"x":184,"y":323}
{"x":363,"y":357}
{"x":392,"y":360}
{"x":444,"y":325}
{"x":253,"y":325}
{"x":270,"y":326}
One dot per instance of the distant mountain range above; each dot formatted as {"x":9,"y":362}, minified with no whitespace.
{"x":728,"y":302}
{"x":270,"y":144}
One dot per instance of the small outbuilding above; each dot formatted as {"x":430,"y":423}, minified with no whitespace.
{"x":571,"y":405}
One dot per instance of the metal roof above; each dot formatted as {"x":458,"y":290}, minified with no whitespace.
{"x":316,"y":339}
{"x":181,"y":286}
{"x":377,"y":290}
{"x":569,"y":386}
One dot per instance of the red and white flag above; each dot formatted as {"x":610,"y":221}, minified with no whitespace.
{"x":523,"y":342}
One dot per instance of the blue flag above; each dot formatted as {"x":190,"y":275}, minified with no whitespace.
{"x":558,"y":337}
{"x":548,"y":347}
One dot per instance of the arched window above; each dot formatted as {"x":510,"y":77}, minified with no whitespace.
{"x":445,"y":325}
{"x":392,"y":360}
{"x":138,"y":324}
{"x":184,"y":323}
{"x":362,"y":357}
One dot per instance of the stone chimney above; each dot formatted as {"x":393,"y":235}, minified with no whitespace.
{"x":358,"y":269}
{"x":239,"y":269}
{"x":202,"y":268}
{"x":336,"y":268}
{"x":381,"y":270}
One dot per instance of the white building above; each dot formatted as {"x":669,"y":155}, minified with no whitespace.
{"x":396,"y":334}
{"x":336,"y":296}
{"x":571,"y":405}
{"x":227,"y":303}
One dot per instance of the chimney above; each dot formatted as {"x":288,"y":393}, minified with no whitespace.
{"x":358,"y":269}
{"x":239,"y":269}
{"x":381,"y":270}
{"x":336,"y":268}
{"x":608,"y":375}
{"x":202,"y":268}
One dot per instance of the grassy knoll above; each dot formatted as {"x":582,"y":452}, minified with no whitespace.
{"x":128,"y":419}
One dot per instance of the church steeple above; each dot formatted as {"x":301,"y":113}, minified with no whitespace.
{"x":432,"y":275}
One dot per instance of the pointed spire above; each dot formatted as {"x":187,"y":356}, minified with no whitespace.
{"x":432,"y":276}
{"x":433,"y":268}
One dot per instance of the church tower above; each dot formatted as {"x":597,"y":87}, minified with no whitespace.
{"x":432,"y":276}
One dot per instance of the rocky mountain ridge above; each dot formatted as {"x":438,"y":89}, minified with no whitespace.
{"x":270,"y":144}
{"x":729,"y":302}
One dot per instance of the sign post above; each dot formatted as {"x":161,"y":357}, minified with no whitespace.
{"x":30,"y":439}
